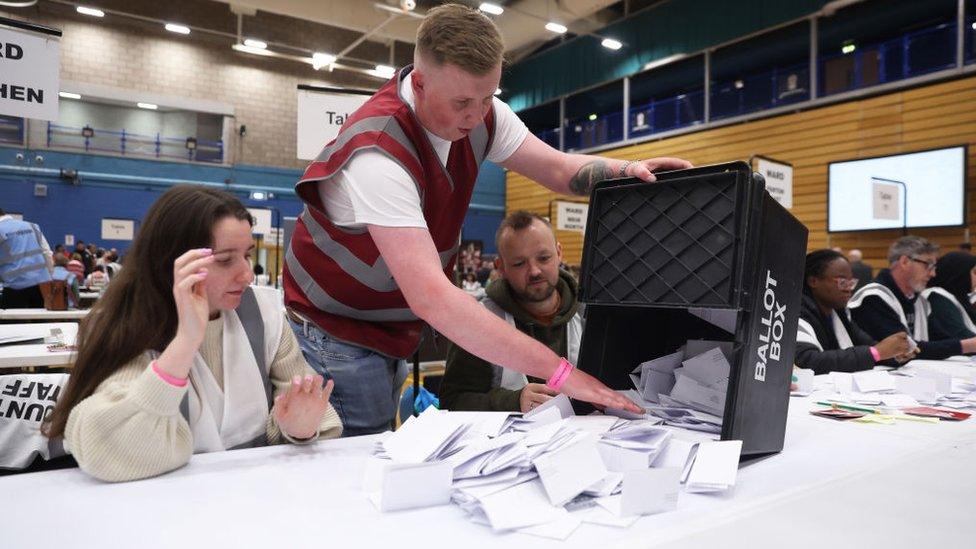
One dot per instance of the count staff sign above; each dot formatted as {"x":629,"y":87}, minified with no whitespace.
{"x":321,"y":112}
{"x":29,"y":70}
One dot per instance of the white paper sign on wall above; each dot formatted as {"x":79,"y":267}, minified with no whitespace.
{"x":884,"y":200}
{"x":321,"y":112}
{"x":29,"y":73}
{"x":262,"y":221}
{"x":571,"y":216}
{"x":779,"y":179}
{"x":118,"y":229}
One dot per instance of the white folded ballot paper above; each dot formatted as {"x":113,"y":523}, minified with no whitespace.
{"x":392,"y":486}
{"x":715,"y":467}
{"x":567,"y":472}
{"x":648,"y":491}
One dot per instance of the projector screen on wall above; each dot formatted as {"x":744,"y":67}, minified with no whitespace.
{"x":919,"y":189}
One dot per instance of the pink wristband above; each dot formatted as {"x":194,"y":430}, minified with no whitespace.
{"x":174,"y":381}
{"x":875,"y":354}
{"x":560,"y":375}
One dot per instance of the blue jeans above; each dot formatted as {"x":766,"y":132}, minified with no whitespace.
{"x":367,"y":383}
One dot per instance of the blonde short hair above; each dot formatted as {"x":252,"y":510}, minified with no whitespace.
{"x":461,"y":36}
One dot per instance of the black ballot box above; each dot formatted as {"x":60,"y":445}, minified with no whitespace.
{"x":703,"y":254}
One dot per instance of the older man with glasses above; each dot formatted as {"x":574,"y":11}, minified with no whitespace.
{"x":893,"y":302}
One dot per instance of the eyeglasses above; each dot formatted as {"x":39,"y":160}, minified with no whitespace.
{"x":929,"y":265}
{"x":845,"y":283}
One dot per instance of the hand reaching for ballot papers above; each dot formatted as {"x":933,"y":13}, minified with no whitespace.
{"x":583,"y":386}
{"x":300,"y":409}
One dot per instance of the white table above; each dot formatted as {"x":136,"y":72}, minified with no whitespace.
{"x":20,"y":315}
{"x":843,"y":484}
{"x":36,"y":354}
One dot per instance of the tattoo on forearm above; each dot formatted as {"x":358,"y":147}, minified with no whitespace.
{"x":587,"y":176}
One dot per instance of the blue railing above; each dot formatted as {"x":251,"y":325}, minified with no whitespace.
{"x":126,"y":143}
{"x":583,"y":133}
{"x":667,"y":114}
{"x":11,"y":130}
{"x":912,"y":54}
{"x":781,"y":86}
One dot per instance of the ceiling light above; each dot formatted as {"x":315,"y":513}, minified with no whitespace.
{"x":493,"y":9}
{"x":739,"y":84}
{"x":320,"y":60}
{"x":90,"y":11}
{"x":249,"y":49}
{"x":556,"y":28}
{"x":150,"y":106}
{"x":611,"y":44}
{"x":69,"y":95}
{"x":257,"y":44}
{"x":592,"y":117}
{"x":974,"y":26}
{"x":848,"y":47}
{"x":179,"y":29}
{"x":384,"y":71}
{"x":498,"y":91}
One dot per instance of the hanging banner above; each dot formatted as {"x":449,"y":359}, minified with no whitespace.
{"x":779,"y":179}
{"x":29,"y":70}
{"x":571,"y":216}
{"x":321,"y":112}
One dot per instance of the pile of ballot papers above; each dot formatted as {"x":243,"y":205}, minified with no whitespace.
{"x":910,"y":386}
{"x":906,"y":393}
{"x":686,"y":388}
{"x":546,"y":472}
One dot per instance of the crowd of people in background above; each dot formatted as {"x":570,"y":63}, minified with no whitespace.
{"x":28,"y":265}
{"x":87,"y":265}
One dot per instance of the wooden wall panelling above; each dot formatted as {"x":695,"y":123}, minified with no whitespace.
{"x":937,"y":115}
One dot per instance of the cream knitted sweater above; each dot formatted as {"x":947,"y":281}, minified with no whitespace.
{"x":131,"y":426}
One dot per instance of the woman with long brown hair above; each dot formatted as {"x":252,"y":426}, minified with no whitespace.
{"x":181,"y":355}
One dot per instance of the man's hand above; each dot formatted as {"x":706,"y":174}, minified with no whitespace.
{"x":583,"y":386}
{"x":602,"y":169}
{"x":644,"y":169}
{"x":566,"y":173}
{"x":533,"y":395}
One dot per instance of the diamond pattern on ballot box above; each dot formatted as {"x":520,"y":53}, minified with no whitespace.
{"x":666,"y":244}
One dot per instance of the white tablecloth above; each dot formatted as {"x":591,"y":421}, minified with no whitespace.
{"x":17,"y":315}
{"x":838,"y":483}
{"x":36,"y":354}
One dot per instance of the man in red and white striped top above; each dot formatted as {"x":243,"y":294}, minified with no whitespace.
{"x":372,"y":254}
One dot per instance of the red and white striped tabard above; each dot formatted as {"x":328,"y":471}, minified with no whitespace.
{"x":335,"y":276}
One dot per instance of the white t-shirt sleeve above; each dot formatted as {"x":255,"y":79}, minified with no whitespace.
{"x":510,"y":132}
{"x":372,"y":189}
